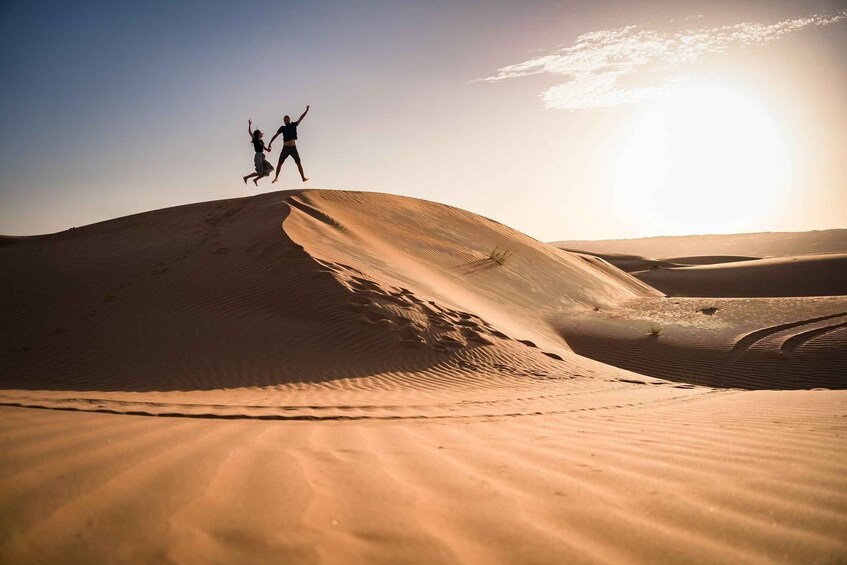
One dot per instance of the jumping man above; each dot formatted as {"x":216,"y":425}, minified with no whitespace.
{"x":289,"y":146}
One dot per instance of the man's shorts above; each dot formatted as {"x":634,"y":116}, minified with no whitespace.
{"x":289,"y":150}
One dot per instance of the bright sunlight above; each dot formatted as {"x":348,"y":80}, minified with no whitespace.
{"x":703,"y":159}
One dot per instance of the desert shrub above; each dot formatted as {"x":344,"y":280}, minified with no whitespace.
{"x":499,"y":256}
{"x":655,"y":330}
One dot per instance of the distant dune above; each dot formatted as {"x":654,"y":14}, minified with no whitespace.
{"x":707,"y":260}
{"x":628,"y":263}
{"x":347,"y":377}
{"x":636,"y":263}
{"x":766,"y":244}
{"x":803,"y":264}
{"x":805,"y":275}
{"x":703,"y":338}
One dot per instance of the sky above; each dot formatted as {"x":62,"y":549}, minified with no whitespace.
{"x":565,"y":120}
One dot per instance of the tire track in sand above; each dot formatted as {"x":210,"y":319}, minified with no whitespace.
{"x":747,"y":341}
{"x":795,"y":341}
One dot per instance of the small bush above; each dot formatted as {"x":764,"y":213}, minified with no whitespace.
{"x":499,"y":256}
{"x":655,"y":330}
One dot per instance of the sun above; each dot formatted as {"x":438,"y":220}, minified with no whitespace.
{"x":703,"y":159}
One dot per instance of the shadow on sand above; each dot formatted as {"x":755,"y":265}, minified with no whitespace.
{"x":475,"y":267}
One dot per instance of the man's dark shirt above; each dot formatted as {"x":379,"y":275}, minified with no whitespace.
{"x":288,"y":132}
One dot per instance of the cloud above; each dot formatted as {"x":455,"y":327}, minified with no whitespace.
{"x":598,"y":62}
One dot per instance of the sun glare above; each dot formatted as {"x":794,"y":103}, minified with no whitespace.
{"x":703,"y":159}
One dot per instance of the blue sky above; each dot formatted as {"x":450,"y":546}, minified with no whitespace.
{"x":114,"y":108}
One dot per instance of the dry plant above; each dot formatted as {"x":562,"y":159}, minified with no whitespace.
{"x":499,"y":256}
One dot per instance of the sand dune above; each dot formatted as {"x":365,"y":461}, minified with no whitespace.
{"x":637,"y":263}
{"x":222,"y":295}
{"x":628,"y":263}
{"x":765,"y":244}
{"x":805,"y":275}
{"x":775,"y":343}
{"x":708,"y":260}
{"x":321,"y":376}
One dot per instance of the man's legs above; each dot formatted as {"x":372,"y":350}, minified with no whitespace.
{"x":282,"y":155}
{"x":302,"y":176}
{"x":296,"y":155}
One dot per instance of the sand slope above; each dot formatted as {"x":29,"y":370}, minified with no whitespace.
{"x":756,"y":343}
{"x":222,"y":294}
{"x":637,"y":263}
{"x":765,"y":244}
{"x":326,"y":376}
{"x":805,"y":275}
{"x":628,"y":263}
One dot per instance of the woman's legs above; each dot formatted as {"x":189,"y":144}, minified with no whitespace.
{"x":261,"y":169}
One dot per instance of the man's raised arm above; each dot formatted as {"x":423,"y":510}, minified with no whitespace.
{"x":303,"y":116}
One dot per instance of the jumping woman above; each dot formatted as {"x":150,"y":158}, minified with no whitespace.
{"x":263,"y":167}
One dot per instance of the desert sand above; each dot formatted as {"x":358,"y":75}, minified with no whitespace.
{"x":637,"y":263}
{"x":347,"y":377}
{"x":804,"y":275}
{"x":793,"y":271}
{"x":763,"y":244}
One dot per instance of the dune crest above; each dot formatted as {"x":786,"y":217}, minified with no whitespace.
{"x":295,"y":295}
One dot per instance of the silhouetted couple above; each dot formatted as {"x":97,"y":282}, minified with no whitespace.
{"x":289,"y":147}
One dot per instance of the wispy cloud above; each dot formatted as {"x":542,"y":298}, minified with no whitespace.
{"x":598,"y":62}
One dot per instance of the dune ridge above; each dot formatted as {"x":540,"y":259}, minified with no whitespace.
{"x":191,"y":298}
